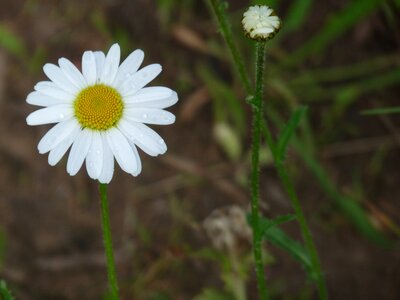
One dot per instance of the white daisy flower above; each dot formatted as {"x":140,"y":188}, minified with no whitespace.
{"x":259,"y":23}
{"x":101,"y":112}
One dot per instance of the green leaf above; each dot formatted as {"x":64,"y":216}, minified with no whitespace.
{"x":280,"y":239}
{"x":382,"y":111}
{"x":288,"y":132}
{"x":12,"y":43}
{"x":5,"y":294}
{"x":271,"y":232}
{"x":267,"y":224}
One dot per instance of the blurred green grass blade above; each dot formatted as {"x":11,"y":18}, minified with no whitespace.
{"x":229,"y":103}
{"x":5,"y":294}
{"x":11,"y":42}
{"x":365,"y":85}
{"x":382,"y":111}
{"x":288,"y":131}
{"x":352,"y":209}
{"x":340,"y":73}
{"x":334,"y":27}
{"x":297,"y":14}
{"x":228,"y":139}
{"x":389,"y":78}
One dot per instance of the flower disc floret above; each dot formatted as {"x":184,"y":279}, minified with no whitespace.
{"x":98,"y":107}
{"x":260,"y":23}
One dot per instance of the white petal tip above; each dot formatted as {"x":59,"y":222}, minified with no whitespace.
{"x":42,"y":151}
{"x":29,"y":121}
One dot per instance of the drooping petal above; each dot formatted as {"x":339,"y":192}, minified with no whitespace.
{"x":143,"y":136}
{"x":58,"y":152}
{"x":94,"y":158}
{"x":89,"y":67}
{"x":39,"y":99}
{"x":56,"y":135}
{"x":72,"y":73}
{"x":111,"y":64}
{"x":51,"y":114}
{"x":149,"y":115}
{"x":55,"y":74}
{"x":122,"y":151}
{"x":134,"y":83}
{"x":108,"y":162}
{"x":137,"y":157}
{"x":129,"y":66}
{"x":152,"y":97}
{"x":100,"y":59}
{"x":49,"y":88}
{"x":79,"y":150}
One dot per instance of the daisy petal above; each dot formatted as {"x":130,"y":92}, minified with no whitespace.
{"x":122,"y":151}
{"x":138,"y":80}
{"x":51,"y":114}
{"x":144,"y":137}
{"x":72,"y":73}
{"x":39,"y":99}
{"x":137,"y":157}
{"x":58,"y":152}
{"x":54,"y":73}
{"x":129,"y":66}
{"x":149,"y":115}
{"x":94,"y":158}
{"x":56,"y":135}
{"x":49,"y":88}
{"x":153,"y":97}
{"x":111,"y":64}
{"x":79,"y":149}
{"x":100,"y":59}
{"x":108,"y":162}
{"x":89,"y":67}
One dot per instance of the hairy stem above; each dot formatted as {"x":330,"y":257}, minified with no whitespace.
{"x":257,"y":105}
{"x":107,"y":239}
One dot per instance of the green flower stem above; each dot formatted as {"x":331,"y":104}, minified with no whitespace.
{"x":218,"y":8}
{"x":224,"y":26}
{"x":257,"y":105}
{"x":105,"y":218}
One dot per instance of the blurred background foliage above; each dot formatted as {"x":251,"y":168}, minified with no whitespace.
{"x":339,"y":58}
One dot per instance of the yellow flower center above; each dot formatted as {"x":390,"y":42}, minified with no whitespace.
{"x":98,"y":107}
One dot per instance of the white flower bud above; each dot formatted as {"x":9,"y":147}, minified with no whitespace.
{"x":260,"y":23}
